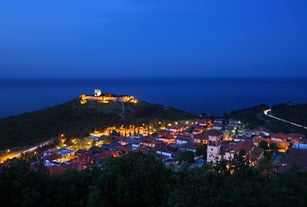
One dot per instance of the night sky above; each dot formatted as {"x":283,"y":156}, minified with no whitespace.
{"x":153,"y":38}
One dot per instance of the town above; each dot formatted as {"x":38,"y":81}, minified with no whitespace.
{"x":189,"y":143}
{"x":161,"y":157}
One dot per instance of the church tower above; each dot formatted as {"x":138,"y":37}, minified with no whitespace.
{"x":214,"y":146}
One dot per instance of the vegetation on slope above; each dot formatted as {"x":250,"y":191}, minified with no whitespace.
{"x":137,"y":179}
{"x":296,"y":113}
{"x":74,"y":119}
{"x":253,"y":116}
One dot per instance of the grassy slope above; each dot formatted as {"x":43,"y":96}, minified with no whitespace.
{"x":75,"y":119}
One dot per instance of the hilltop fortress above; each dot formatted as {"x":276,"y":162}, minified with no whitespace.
{"x":106,"y":98}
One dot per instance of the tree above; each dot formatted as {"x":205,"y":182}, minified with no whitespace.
{"x":135,"y":179}
{"x":186,"y":156}
{"x":263,"y":145}
{"x":201,"y":151}
{"x":273,"y":146}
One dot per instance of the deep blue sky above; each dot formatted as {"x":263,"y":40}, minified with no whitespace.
{"x":153,"y":38}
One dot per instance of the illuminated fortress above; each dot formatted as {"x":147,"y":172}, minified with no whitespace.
{"x":105,"y":99}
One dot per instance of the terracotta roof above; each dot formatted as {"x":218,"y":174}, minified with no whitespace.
{"x":202,"y":135}
{"x":164,"y":148}
{"x":279,"y":136}
{"x":214,"y":132}
{"x":244,"y":145}
{"x":189,"y":146}
{"x":123,"y":148}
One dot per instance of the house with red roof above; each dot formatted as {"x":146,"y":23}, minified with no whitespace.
{"x":245,"y":146}
{"x":197,"y":130}
{"x":190,"y":146}
{"x":165,"y":150}
{"x":201,"y":138}
{"x":252,"y":152}
{"x":148,"y":141}
{"x":166,"y":139}
{"x":279,"y":137}
{"x":183,"y":139}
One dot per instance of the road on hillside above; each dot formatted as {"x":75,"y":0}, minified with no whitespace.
{"x":267,"y":111}
{"x":17,"y":154}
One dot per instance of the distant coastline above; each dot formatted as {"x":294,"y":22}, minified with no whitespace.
{"x":196,"y":95}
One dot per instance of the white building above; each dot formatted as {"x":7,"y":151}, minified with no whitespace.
{"x":214,"y":146}
{"x":97,"y":92}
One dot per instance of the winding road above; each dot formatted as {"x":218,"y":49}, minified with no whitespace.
{"x":267,"y":111}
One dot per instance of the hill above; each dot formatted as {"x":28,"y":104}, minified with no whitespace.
{"x":296,"y":113}
{"x":254,"y":117}
{"x":75,"y":119}
{"x":293,"y":112}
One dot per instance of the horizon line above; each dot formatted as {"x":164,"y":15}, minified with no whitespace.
{"x":146,"y":78}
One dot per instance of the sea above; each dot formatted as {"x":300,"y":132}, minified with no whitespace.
{"x":198,"y":95}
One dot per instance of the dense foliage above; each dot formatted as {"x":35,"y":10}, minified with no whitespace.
{"x":74,"y":119}
{"x":142,"y":180}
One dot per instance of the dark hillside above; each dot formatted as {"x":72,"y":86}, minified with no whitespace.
{"x":253,"y":116}
{"x":75,"y":119}
{"x":296,"y":113}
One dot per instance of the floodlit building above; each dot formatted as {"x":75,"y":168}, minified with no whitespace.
{"x":105,"y":99}
{"x":214,"y":146}
{"x":97,"y":92}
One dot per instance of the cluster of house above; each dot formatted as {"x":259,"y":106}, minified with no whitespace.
{"x":223,"y":139}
